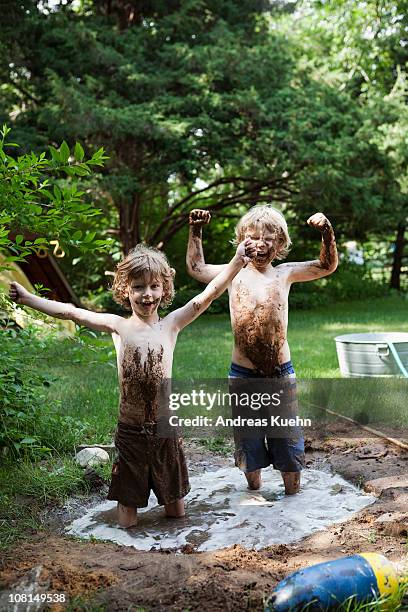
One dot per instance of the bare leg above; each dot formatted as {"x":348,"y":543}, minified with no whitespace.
{"x":175,"y":510}
{"x":254,"y":479}
{"x":292,"y":482}
{"x":127,"y":517}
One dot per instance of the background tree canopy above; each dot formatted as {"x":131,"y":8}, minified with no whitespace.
{"x":218,"y":105}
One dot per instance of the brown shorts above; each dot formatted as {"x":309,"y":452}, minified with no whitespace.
{"x":147,"y":463}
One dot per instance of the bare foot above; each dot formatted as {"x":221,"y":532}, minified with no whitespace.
{"x":254,"y":479}
{"x":292,"y":482}
{"x":176,"y":509}
{"x":127,"y":517}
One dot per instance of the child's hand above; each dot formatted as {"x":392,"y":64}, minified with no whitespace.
{"x":319,"y":221}
{"x":246,"y":250}
{"x":199,"y":217}
{"x":17,"y":293}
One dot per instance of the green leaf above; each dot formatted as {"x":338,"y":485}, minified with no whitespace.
{"x":89,"y":237}
{"x":78,"y":152}
{"x":57,"y":193}
{"x":55,"y":154}
{"x":81,"y":170}
{"x":19,"y":239}
{"x":64,"y":152}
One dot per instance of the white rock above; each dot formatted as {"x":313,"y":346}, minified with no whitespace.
{"x":89,"y":457}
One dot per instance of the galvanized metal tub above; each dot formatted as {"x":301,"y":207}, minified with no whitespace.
{"x":376,"y":354}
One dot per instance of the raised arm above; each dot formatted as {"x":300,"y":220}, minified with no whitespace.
{"x":196,"y":266}
{"x":95,"y":320}
{"x":185,"y":315}
{"x":328,"y":260}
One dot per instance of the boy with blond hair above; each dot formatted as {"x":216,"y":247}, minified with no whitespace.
{"x":144,"y":346}
{"x":258,"y":298}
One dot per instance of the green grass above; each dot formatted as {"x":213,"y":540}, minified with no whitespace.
{"x":204,"y":348}
{"x":26,"y":488}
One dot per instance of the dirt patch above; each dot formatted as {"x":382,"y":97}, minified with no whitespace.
{"x":121,"y":578}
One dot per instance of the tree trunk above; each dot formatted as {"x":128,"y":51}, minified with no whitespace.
{"x":129,"y":221}
{"x":398,"y":256}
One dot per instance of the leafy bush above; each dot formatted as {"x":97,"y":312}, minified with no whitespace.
{"x":350,"y":282}
{"x":30,"y":427}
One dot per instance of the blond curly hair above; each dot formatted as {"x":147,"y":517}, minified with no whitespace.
{"x":140,"y":261}
{"x":272,"y":220}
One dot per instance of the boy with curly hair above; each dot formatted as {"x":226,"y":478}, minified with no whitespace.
{"x":259,"y":318}
{"x":144,"y":346}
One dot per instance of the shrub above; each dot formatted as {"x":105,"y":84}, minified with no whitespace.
{"x":30,"y":427}
{"x":350,"y":282}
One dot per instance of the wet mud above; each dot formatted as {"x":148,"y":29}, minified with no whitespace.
{"x":140,"y":385}
{"x":259,"y":332}
{"x":328,"y":250}
{"x":195,"y":253}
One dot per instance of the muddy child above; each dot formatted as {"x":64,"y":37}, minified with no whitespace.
{"x":144,"y":345}
{"x":258,"y":299}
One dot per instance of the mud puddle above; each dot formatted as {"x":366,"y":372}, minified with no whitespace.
{"x":221,"y":512}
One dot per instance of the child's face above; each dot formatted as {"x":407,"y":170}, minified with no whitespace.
{"x":267,"y":243}
{"x":145,"y":293}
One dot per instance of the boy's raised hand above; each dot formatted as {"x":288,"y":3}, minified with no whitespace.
{"x":199,"y":217}
{"x":246,"y":250}
{"x":319,"y":221}
{"x":17,"y":293}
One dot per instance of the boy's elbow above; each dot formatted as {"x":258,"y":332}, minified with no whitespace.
{"x":201,"y":304}
{"x":68,"y":312}
{"x":334,"y":265}
{"x":194,"y":270}
{"x":329,"y":269}
{"x":189,"y":268}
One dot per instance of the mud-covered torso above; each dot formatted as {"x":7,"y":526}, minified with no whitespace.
{"x":259,"y":318}
{"x":144,"y":360}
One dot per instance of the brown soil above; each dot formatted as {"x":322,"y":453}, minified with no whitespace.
{"x":121,"y":578}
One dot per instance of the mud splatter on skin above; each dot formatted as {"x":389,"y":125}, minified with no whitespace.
{"x":259,"y":332}
{"x":328,"y":250}
{"x":196,"y":230}
{"x":196,"y":253}
{"x":261,"y":262}
{"x":140,"y":386}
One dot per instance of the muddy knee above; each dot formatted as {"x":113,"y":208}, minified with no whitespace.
{"x":254,"y":479}
{"x":291,"y":481}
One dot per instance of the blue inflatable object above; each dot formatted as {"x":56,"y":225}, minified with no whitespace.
{"x":364,"y":577}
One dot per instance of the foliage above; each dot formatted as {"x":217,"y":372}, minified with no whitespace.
{"x":360,"y":48}
{"x":33,"y":200}
{"x":350,"y":282}
{"x":30,"y":426}
{"x":201,"y":106}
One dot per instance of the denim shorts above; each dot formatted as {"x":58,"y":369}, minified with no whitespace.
{"x":284,"y":454}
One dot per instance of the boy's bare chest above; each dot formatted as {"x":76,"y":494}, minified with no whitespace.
{"x":248,"y":292}
{"x":145,"y":350}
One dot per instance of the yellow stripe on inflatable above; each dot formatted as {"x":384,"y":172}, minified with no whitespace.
{"x":385,"y":573}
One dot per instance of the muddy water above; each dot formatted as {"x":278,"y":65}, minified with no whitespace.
{"x":221,"y":512}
